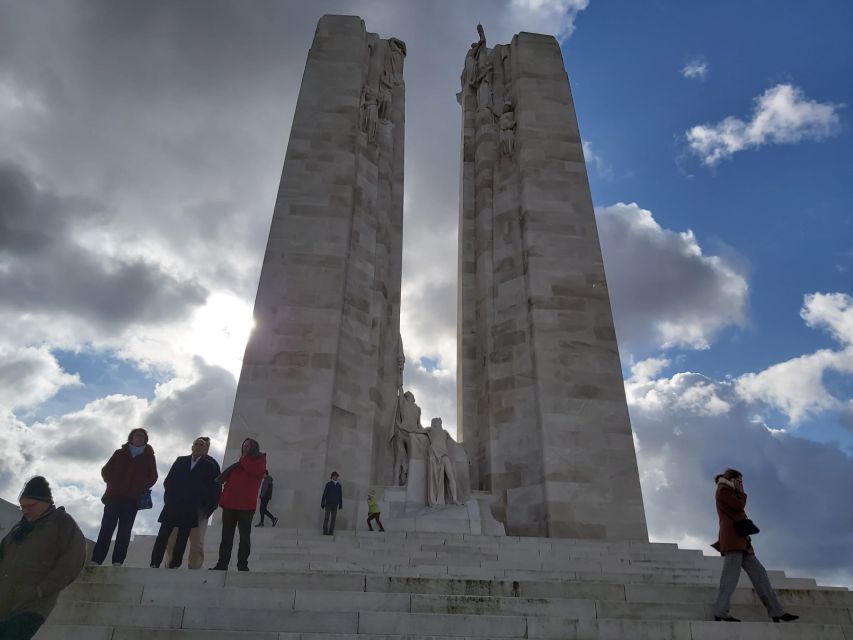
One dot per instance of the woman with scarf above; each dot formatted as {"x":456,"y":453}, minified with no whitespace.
{"x":130,"y":473}
{"x":41,"y":555}
{"x":239,"y":497}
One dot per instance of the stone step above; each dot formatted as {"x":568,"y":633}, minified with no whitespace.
{"x":265,"y":549}
{"x":600,"y":630}
{"x":417,"y":624}
{"x":318,"y":600}
{"x":129,"y":580}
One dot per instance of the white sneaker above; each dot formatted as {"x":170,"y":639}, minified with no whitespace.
{"x":117,"y":564}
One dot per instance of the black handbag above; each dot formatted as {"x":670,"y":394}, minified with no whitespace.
{"x":746,"y":527}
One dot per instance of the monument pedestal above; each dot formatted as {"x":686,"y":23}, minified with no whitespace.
{"x":474,"y":516}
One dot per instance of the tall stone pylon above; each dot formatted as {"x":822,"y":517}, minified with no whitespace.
{"x":320,"y":372}
{"x":540,"y":389}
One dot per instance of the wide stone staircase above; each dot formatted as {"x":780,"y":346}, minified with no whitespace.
{"x":434,"y":586}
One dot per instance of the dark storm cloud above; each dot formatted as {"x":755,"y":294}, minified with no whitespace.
{"x":198,"y":409}
{"x":47,"y":271}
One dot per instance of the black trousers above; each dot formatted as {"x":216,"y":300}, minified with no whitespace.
{"x":264,"y":512}
{"x":329,"y":519}
{"x":21,"y":626}
{"x":232,"y":519}
{"x":163,"y":539}
{"x":121,"y":512}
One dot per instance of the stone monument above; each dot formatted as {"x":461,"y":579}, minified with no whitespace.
{"x":319,"y":378}
{"x":541,"y":399}
{"x":546,"y":441}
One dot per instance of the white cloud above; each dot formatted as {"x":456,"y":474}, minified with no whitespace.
{"x":29,"y":376}
{"x":555,"y":17}
{"x":680,"y":298}
{"x":796,"y":386}
{"x":597,"y":161}
{"x":833,"y":311}
{"x":695,"y":68}
{"x":782,"y":114}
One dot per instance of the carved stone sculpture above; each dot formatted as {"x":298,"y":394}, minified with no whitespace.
{"x":369,"y":112}
{"x":408,"y":422}
{"x":394,"y":56}
{"x":507,"y":122}
{"x":442,"y":477}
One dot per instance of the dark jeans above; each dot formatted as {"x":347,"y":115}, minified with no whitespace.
{"x":163,"y":539}
{"x":374,"y":516}
{"x":121,"y":512}
{"x":231,"y":519}
{"x":264,"y":512}
{"x":21,"y":626}
{"x":329,"y":520}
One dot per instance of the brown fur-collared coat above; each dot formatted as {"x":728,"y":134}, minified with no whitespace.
{"x":730,"y":508}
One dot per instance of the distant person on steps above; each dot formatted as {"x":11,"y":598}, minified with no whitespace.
{"x":332,"y":500}
{"x":265,"y":497}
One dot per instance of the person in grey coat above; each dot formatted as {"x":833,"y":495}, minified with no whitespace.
{"x":40,"y":556}
{"x":332,"y":500}
{"x":265,"y":497}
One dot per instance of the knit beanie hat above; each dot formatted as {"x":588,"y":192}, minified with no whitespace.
{"x":37,"y":488}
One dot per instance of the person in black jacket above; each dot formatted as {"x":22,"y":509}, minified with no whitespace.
{"x":195,"y":559}
{"x":266,"y":496}
{"x":188,"y":489}
{"x":333,"y":499}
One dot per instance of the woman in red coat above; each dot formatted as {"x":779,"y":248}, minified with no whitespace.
{"x":238,"y":501}
{"x":130,"y":472}
{"x":738,"y":553}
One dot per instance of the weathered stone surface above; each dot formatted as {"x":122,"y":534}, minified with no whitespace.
{"x":319,"y":376}
{"x":540,"y":392}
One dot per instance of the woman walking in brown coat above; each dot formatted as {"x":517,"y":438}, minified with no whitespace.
{"x":737,"y":552}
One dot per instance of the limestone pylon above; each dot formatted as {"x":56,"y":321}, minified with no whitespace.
{"x":319,"y":378}
{"x":541,"y":399}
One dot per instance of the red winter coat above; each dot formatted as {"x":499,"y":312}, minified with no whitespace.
{"x":129,"y":477}
{"x":243,"y":482}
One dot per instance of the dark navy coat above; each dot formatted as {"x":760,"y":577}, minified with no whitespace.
{"x":188,"y":490}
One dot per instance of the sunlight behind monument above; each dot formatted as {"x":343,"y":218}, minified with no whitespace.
{"x":546,"y":446}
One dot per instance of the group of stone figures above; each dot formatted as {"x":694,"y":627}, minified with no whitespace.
{"x":477,"y":78}
{"x":384,"y":74}
{"x":411,"y":440}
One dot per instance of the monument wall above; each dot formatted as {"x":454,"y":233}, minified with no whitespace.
{"x":540,"y":391}
{"x":320,"y":375}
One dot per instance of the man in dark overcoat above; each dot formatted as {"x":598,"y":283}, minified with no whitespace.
{"x":332,"y":500}
{"x":190,"y":487}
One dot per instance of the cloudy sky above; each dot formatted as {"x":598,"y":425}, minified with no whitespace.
{"x":140,"y":150}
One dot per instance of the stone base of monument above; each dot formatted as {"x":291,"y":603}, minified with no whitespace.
{"x":401,"y":513}
{"x":435,"y":586}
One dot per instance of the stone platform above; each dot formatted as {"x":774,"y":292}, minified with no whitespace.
{"x":435,"y":586}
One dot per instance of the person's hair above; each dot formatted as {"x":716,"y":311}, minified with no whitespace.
{"x":255,"y":449}
{"x":728,"y":474}
{"x":334,"y":473}
{"x":205,"y":438}
{"x":137,"y":430}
